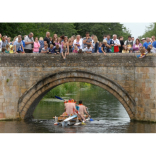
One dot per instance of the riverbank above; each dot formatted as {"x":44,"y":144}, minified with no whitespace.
{"x":67,"y":88}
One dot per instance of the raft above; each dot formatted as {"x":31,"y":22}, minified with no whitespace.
{"x":61,"y":118}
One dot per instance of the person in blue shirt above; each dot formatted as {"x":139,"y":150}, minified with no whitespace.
{"x":100,"y":51}
{"x":147,"y":43}
{"x":154,"y":44}
{"x":109,"y":42}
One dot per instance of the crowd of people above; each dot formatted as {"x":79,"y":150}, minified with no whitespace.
{"x":76,"y":44}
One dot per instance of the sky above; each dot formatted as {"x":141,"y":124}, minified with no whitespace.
{"x":136,"y":29}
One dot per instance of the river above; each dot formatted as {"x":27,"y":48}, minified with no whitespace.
{"x":107,"y":112}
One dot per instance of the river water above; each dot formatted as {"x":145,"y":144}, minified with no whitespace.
{"x":107,"y":112}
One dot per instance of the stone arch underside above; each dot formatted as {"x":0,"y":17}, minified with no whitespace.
{"x":29,"y":100}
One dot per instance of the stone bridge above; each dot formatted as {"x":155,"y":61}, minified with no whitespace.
{"x":26,"y":78}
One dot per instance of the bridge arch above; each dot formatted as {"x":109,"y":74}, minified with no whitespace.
{"x":29,"y":100}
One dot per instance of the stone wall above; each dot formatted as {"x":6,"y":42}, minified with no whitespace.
{"x":130,"y":79}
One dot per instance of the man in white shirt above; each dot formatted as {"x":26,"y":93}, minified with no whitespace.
{"x":116,"y":43}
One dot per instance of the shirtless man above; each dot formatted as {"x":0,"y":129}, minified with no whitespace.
{"x":82,"y":109}
{"x":70,"y":107}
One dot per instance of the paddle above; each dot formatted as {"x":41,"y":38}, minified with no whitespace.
{"x":89,"y":114}
{"x":59,"y":98}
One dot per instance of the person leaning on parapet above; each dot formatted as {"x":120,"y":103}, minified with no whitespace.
{"x":18,"y":46}
{"x":116,"y":44}
{"x":110,"y":43}
{"x":29,"y":41}
{"x":87,"y":40}
{"x":145,"y":45}
{"x":143,"y":40}
{"x":129,"y":43}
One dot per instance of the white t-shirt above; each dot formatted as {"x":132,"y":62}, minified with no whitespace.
{"x":87,"y":50}
{"x":80,"y":43}
{"x":116,"y":42}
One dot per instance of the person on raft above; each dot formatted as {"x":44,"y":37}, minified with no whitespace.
{"x":71,"y":109}
{"x":82,"y":109}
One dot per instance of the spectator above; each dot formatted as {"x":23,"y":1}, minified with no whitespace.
{"x":105,"y":47}
{"x":129,"y":43}
{"x":87,"y":40}
{"x":145,"y":45}
{"x":121,"y":43}
{"x":110,"y":42}
{"x":100,"y":51}
{"x":14,"y":40}
{"x":154,"y":44}
{"x":18,"y":45}
{"x":116,"y":43}
{"x":29,"y":41}
{"x":0,"y":37}
{"x":65,"y":43}
{"x":54,"y":39}
{"x":75,"y":49}
{"x":136,"y":46}
{"x":96,"y":45}
{"x":0,"y":45}
{"x":57,"y":49}
{"x":64,"y":52}
{"x":45,"y":50}
{"x":78,"y":42}
{"x":41,"y":44}
{"x":70,"y":46}
{"x":51,"y":40}
{"x":88,"y":49}
{"x":17,"y":37}
{"x":3,"y":50}
{"x":11,"y":49}
{"x":4,"y":42}
{"x":7,"y":49}
{"x":153,"y":38}
{"x":47,"y":38}
{"x":58,"y":42}
{"x":51,"y":49}
{"x":151,"y":49}
{"x":36,"y":46}
{"x":125,"y":50}
{"x":133,"y":40}
{"x":104,"y":37}
{"x":8,"y":40}
{"x":143,"y":40}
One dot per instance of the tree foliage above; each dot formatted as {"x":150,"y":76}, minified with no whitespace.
{"x":68,"y":29}
{"x":150,"y":31}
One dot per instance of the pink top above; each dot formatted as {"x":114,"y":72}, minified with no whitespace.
{"x":36,"y":47}
{"x":75,"y":51}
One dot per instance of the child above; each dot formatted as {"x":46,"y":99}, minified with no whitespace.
{"x":125,"y":50}
{"x":100,"y":44}
{"x":80,"y":51}
{"x":11,"y":49}
{"x":75,"y":49}
{"x":36,"y":46}
{"x":51,"y":49}
{"x":57,"y":49}
{"x":143,"y":53}
{"x":88,"y":49}
{"x":45,"y":49}
{"x":7,"y":49}
{"x":3,"y":50}
{"x":151,"y":49}
{"x":64,"y":52}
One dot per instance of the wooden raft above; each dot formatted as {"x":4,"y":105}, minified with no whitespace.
{"x":61,"y":118}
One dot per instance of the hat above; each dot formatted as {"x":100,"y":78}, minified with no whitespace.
{"x":143,"y":39}
{"x":105,"y":40}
